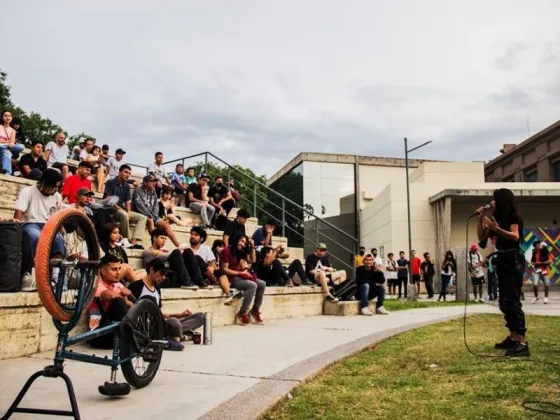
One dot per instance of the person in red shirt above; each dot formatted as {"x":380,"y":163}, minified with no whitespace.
{"x":415,"y":263}
{"x":73,"y":183}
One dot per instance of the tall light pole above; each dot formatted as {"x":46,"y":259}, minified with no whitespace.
{"x":406,"y":152}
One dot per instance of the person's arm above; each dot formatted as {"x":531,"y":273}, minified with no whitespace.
{"x":227,"y":270}
{"x":66,"y":188}
{"x":47,"y":153}
{"x":360,"y":279}
{"x":310,"y":265}
{"x":192,"y":198}
{"x":225,"y":198}
{"x":109,"y":188}
{"x":379,"y":277}
{"x":18,"y":215}
{"x":252,"y":252}
{"x":482,"y":230}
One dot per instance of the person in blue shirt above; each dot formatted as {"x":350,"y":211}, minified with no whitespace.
{"x":179,"y":183}
{"x":263,"y":235}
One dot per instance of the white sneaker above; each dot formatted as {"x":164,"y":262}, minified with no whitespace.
{"x":381,"y":311}
{"x":545,"y":300}
{"x":125,"y":243}
{"x":28,"y":283}
{"x":366,"y":311}
{"x":535,"y":300}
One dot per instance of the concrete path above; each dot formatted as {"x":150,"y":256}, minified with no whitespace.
{"x":243,"y":372}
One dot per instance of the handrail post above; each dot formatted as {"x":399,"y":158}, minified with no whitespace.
{"x":228,"y":174}
{"x":283,"y":217}
{"x":316,"y":231}
{"x":206,"y":162}
{"x":254,"y":200}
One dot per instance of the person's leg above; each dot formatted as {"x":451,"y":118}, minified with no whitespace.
{"x":249,"y":288}
{"x":379,"y":293}
{"x":473,"y":281}
{"x":223,"y":281}
{"x":192,"y":322}
{"x":170,"y":233}
{"x":199,"y":208}
{"x":296,"y":267}
{"x":30,"y":235}
{"x":322,"y":280}
{"x":150,"y":225}
{"x":6,"y":158}
{"x":228,"y":205}
{"x":510,"y":282}
{"x":338,"y":276}
{"x":430,"y":286}
{"x":139,"y":221}
{"x":100,"y":179}
{"x":210,"y":210}
{"x":176,"y":263}
{"x":279,"y":273}
{"x":480,"y":291}
{"x":115,"y":313}
{"x":173,"y":328}
{"x":259,"y":295}
{"x":364,"y":295}
{"x":399,"y":284}
{"x":191,"y":264}
{"x":417,"y":281}
{"x":120,"y":217}
{"x":546,"y":281}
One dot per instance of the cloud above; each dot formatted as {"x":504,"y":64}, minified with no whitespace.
{"x":256,"y":83}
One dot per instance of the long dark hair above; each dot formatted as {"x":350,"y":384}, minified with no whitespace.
{"x":452,"y":259}
{"x":505,"y":207}
{"x":215,"y":245}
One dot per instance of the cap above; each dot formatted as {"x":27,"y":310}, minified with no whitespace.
{"x":159,"y":264}
{"x":243,"y":213}
{"x":85,"y":191}
{"x":474,"y":247}
{"x":203,"y":175}
{"x":322,"y":246}
{"x":120,"y":151}
{"x":149,"y":178}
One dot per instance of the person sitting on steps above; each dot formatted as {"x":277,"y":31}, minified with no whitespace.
{"x":167,"y":207}
{"x":195,"y":196}
{"x":319,"y":270}
{"x":109,"y":245}
{"x":369,"y":285}
{"x":272,"y":271}
{"x":235,"y":229}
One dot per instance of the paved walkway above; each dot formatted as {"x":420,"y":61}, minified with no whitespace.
{"x":245,"y":370}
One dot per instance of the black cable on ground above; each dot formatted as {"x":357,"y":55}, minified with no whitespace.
{"x":525,"y":404}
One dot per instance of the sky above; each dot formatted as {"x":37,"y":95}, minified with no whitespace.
{"x":257,"y":82}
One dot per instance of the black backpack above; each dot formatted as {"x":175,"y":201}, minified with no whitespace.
{"x":10,"y":256}
{"x":345,"y":290}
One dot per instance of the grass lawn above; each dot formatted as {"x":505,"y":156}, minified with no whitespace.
{"x":428,"y":374}
{"x":401,"y":305}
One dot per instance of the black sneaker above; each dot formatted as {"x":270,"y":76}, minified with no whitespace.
{"x":520,"y":350}
{"x":507,"y":344}
{"x":189,"y":285}
{"x":307,"y":283}
{"x":136,"y":246}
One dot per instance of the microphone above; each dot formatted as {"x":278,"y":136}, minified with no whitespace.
{"x":484,"y":209}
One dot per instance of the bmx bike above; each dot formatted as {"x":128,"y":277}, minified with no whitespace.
{"x":66,"y":269}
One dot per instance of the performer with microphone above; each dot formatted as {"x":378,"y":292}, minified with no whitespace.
{"x":506,"y":225}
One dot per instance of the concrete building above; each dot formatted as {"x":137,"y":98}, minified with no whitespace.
{"x":536,"y":159}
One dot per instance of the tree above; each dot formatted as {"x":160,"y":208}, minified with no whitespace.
{"x":5,"y":97}
{"x":75,"y":139}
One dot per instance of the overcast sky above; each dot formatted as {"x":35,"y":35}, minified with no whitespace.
{"x":258,"y":82}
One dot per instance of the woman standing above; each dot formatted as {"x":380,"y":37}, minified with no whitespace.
{"x":506,"y":225}
{"x":448,"y":270}
{"x":8,"y":145}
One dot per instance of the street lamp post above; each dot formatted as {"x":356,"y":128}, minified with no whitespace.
{"x":406,"y":153}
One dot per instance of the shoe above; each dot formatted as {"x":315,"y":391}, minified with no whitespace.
{"x":546,"y":301}
{"x":290,"y":283}
{"x":189,"y":286}
{"x":520,"y":350}
{"x":125,"y":243}
{"x":233,"y":295}
{"x":307,"y":283}
{"x":507,"y":344}
{"x":331,"y":298}
{"x":243,"y":318}
{"x":535,"y":300}
{"x":366,"y":311}
{"x":136,"y":246}
{"x":28,"y":283}
{"x":256,"y":315}
{"x":173,"y":345}
{"x":381,"y":311}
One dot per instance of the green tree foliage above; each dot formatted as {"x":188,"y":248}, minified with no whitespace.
{"x":78,"y":138}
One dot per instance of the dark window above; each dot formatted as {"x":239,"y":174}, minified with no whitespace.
{"x":531,"y":176}
{"x":556,"y":171}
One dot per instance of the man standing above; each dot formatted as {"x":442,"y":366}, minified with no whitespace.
{"x":35,"y":204}
{"x":541,"y":260}
{"x":115,"y":162}
{"x":402,"y":274}
{"x":319,"y":270}
{"x":158,"y":171}
{"x":369,"y":283}
{"x":145,"y":201}
{"x":236,"y":228}
{"x":476,"y":272}
{"x":75,"y":182}
{"x":120,"y":187}
{"x":56,"y":154}
{"x":195,"y":196}
{"x":377,"y":261}
{"x":32,"y":165}
{"x":220,"y":197}
{"x":427,"y":272}
{"x":415,"y":263}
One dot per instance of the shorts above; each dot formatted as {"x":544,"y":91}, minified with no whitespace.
{"x":180,"y":191}
{"x":477,"y":281}
{"x":540,"y":277}
{"x":416,"y":279}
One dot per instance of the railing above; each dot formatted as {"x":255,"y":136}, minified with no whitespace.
{"x":265,"y":201}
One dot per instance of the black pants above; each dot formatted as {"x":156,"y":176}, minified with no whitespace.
{"x":228,"y":205}
{"x":510,"y":268}
{"x":402,"y":282}
{"x":186,"y":269}
{"x":429,"y":286}
{"x":492,"y":286}
{"x":114,"y":313}
{"x":276,"y":274}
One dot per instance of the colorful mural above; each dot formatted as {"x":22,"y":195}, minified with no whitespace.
{"x":550,"y":236}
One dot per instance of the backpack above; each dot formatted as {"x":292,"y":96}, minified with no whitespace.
{"x":10,"y":256}
{"x":345,"y":290}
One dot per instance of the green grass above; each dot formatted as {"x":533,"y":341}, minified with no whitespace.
{"x":428,"y":374}
{"x":401,"y":305}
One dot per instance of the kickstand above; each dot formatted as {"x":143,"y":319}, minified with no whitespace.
{"x":56,"y":371}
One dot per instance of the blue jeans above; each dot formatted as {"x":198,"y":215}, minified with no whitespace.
{"x":6,"y":153}
{"x":31,"y":233}
{"x":368,"y":293}
{"x":445,"y":280}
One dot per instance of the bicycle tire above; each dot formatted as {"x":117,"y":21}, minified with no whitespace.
{"x":52,"y":304}
{"x":130,"y":343}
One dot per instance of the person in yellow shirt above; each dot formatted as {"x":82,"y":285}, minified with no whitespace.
{"x":359,"y":259}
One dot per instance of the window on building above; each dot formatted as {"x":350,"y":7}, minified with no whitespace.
{"x":556,"y":171}
{"x":531,"y":176}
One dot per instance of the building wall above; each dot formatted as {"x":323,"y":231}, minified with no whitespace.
{"x":373,"y":179}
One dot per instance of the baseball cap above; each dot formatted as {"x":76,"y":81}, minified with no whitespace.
{"x":322,"y":246}
{"x":159,"y":264}
{"x":85,"y":191}
{"x":120,"y":151}
{"x":203,"y":175}
{"x":474,"y":247}
{"x":149,"y":178}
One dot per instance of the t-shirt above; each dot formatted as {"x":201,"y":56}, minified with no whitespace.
{"x":196,"y":189}
{"x":229,"y":256}
{"x":177,"y":180}
{"x":35,"y":206}
{"x":371,"y":277}
{"x":71,"y":186}
{"x":358,"y":260}
{"x":204,"y":252}
{"x":140,"y":289}
{"x":378,"y":262}
{"x":84,"y":154}
{"x":116,"y":251}
{"x":428,"y":269}
{"x":503,"y":244}
{"x":59,"y":154}
{"x":217,"y":193}
{"x":28,"y":160}
{"x":148,"y":256}
{"x":313,"y":262}
{"x":114,"y":166}
{"x":259,"y":237}
{"x":94,"y":312}
{"x":190,"y":179}
{"x":391,"y":269}
{"x":113,"y":188}
{"x":234,"y":231}
{"x":415,"y":266}
{"x":476,"y":272}
{"x":158,"y":171}
{"x":402,"y":274}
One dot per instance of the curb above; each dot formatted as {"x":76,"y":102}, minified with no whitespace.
{"x":253,"y":402}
